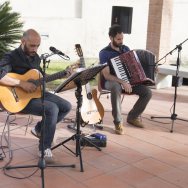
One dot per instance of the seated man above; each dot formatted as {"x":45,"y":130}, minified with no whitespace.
{"x":20,"y":61}
{"x":114,"y":84}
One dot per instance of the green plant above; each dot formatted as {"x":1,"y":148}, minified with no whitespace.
{"x":10,"y":27}
{"x":52,"y":68}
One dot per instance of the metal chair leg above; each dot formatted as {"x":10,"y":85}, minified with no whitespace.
{"x":29,"y":121}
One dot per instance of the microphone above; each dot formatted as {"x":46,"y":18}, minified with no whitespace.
{"x":56,"y":51}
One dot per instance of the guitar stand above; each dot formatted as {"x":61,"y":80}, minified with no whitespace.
{"x":78,"y":79}
{"x":83,"y":124}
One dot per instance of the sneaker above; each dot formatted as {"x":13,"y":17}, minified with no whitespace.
{"x":119,"y":129}
{"x":48,"y":156}
{"x":35,"y":133}
{"x":136,"y":123}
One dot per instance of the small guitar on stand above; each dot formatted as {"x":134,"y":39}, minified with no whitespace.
{"x":92,"y":111}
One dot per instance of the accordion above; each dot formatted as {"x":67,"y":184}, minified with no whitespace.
{"x":133,"y":67}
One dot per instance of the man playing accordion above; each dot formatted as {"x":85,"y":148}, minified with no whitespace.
{"x":114,"y":84}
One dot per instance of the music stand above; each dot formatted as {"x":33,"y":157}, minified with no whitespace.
{"x":173,"y":116}
{"x":79,"y":79}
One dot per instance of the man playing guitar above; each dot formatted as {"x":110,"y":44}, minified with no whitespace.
{"x":21,"y":61}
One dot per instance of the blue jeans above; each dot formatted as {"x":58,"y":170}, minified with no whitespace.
{"x":55,"y":109}
{"x":144,"y":95}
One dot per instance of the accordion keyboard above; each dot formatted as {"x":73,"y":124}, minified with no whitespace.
{"x":119,"y":68}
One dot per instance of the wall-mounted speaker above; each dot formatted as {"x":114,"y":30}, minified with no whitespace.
{"x":123,"y":17}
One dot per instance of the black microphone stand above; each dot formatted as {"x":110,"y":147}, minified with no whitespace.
{"x":41,"y":163}
{"x":173,"y":116}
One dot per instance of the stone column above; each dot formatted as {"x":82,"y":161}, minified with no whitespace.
{"x":159,"y":27}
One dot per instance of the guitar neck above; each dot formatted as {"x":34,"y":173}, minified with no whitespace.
{"x":50,"y":78}
{"x":82,"y":62}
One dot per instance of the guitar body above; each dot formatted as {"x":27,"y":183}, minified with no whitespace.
{"x":89,"y":111}
{"x":100,"y":107}
{"x":15,"y":99}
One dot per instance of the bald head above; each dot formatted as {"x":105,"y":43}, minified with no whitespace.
{"x":30,"y":33}
{"x":30,"y":42}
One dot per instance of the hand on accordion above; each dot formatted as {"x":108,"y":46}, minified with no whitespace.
{"x":127,"y":87}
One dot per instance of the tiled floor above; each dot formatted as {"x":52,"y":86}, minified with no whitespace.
{"x":152,"y":157}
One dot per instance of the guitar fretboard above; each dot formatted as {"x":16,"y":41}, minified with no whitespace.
{"x":50,"y":78}
{"x":82,"y":62}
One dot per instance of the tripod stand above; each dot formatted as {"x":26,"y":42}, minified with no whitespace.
{"x":173,"y":116}
{"x":41,"y":163}
{"x":79,"y":79}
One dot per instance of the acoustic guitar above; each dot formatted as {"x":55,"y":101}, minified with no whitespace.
{"x":15,"y":99}
{"x":92,"y":111}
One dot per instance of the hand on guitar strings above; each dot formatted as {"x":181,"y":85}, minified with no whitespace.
{"x":28,"y":86}
{"x":71,"y":69}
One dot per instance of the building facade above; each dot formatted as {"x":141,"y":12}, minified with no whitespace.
{"x":157,"y":25}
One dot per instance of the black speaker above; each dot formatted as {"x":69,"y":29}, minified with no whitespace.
{"x":123,"y":17}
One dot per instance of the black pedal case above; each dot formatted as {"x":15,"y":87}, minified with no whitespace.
{"x":92,"y":142}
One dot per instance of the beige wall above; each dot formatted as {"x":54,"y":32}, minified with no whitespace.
{"x":66,"y":23}
{"x":180,"y":29}
{"x":63,"y":23}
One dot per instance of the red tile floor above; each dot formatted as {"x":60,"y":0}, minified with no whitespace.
{"x":151,"y":157}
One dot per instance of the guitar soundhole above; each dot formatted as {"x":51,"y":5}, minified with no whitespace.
{"x":89,"y":96}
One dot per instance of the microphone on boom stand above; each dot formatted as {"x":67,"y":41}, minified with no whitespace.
{"x":58,"y":52}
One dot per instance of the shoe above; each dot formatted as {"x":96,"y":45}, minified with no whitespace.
{"x":119,"y":129}
{"x":136,"y":123}
{"x":48,"y":156}
{"x":35,"y":133}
